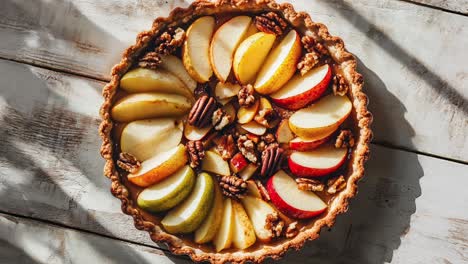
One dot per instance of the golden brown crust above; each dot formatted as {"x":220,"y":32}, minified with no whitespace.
{"x":346,"y":64}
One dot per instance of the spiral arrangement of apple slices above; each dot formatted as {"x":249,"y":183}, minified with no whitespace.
{"x":155,"y":105}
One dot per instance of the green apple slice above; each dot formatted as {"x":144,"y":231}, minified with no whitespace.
{"x":188,"y":216}
{"x":206,"y":232}
{"x":169,"y":192}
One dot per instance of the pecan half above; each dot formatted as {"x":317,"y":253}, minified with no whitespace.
{"x":226,"y":146}
{"x":345,"y":139}
{"x":271,"y":23}
{"x":150,"y":60}
{"x":247,"y":148}
{"x":265,"y":141}
{"x":263,"y":191}
{"x":336,"y":184}
{"x":220,"y":119}
{"x":292,"y":230}
{"x":246,"y":95}
{"x":340,"y":87}
{"x":266,"y":117}
{"x":196,"y":152}
{"x":307,"y":62}
{"x":128,"y":162}
{"x":272,"y":157}
{"x":233,"y":186}
{"x":170,"y":40}
{"x":202,"y":111}
{"x":307,"y":184}
{"x":274,"y":224}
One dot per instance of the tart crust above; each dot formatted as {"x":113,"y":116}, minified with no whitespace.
{"x":345,"y":63}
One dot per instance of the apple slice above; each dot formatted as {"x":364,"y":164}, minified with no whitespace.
{"x":318,"y":162}
{"x":244,"y":233}
{"x":159,"y":167}
{"x":149,"y":105}
{"x":258,"y":211}
{"x":146,"y":138}
{"x":189,"y":215}
{"x":280,"y":64}
{"x":248,"y":172}
{"x":254,"y":128}
{"x":290,"y":200}
{"x":252,"y":190}
{"x":206,"y":232}
{"x":175,"y":66}
{"x":283,"y":133}
{"x":302,"y":90}
{"x":322,"y":117}
{"x":306,"y":144}
{"x":196,"y":133}
{"x":231,"y":111}
{"x":226,"y":90}
{"x":224,"y":44}
{"x":251,"y":54}
{"x":223,"y":238}
{"x":238,"y":163}
{"x":213,"y":162}
{"x":196,"y":49}
{"x":168,"y":193}
{"x":141,"y":80}
{"x":247,"y":114}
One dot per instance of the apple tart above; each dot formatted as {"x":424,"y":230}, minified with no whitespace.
{"x":234,"y":130}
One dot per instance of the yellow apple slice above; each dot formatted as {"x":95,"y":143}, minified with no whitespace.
{"x":247,"y":114}
{"x":250,"y":55}
{"x":280,"y":65}
{"x":213,"y":162}
{"x":322,"y":117}
{"x":226,"y":90}
{"x":252,"y":190}
{"x":254,"y":128}
{"x":146,"y":138}
{"x":168,"y":193}
{"x":258,"y":211}
{"x":159,"y":167}
{"x":175,"y":66}
{"x":189,"y":215}
{"x":224,"y":44}
{"x":142,"y":80}
{"x":196,"y":49}
{"x":206,"y":232}
{"x":149,"y":105}
{"x":244,"y":233}
{"x":223,"y":238}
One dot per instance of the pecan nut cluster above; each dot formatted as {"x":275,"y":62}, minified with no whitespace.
{"x":196,"y":152}
{"x":202,"y":111}
{"x":274,"y":224}
{"x":266,"y":117}
{"x":266,"y":140}
{"x":340,"y":87}
{"x":307,"y":62}
{"x":271,"y":23}
{"x":292,"y":230}
{"x":128,"y":162}
{"x":345,"y":139}
{"x":272,"y":158}
{"x":247,"y":148}
{"x":169,"y":41}
{"x":336,"y":184}
{"x":312,"y":185}
{"x":233,"y":186}
{"x":246,"y":96}
{"x":150,"y":60}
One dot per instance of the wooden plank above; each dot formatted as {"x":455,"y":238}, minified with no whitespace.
{"x":410,"y":56}
{"x":50,"y":169}
{"x":27,"y":241}
{"x":458,"y":6}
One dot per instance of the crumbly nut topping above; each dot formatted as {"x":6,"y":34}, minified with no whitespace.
{"x":307,"y":184}
{"x":233,"y":186}
{"x":265,"y":141}
{"x":220,"y":119}
{"x":271,"y":23}
{"x":263,"y":191}
{"x":345,"y":139}
{"x":196,"y":152}
{"x":226,"y":146}
{"x":128,"y":162}
{"x":311,"y":46}
{"x":307,"y":62}
{"x":246,"y":95}
{"x":170,"y":40}
{"x":272,"y":158}
{"x":336,"y":184}
{"x":274,"y":224}
{"x":266,"y":117}
{"x":202,"y":111}
{"x":150,"y":60}
{"x":321,"y":49}
{"x":340,"y":87}
{"x":292,"y":230}
{"x":247,"y":148}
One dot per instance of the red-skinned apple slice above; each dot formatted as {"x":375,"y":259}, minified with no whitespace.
{"x":195,"y":133}
{"x":238,"y":163}
{"x":302,"y":90}
{"x":284,"y":134}
{"x":306,"y":144}
{"x":318,"y":162}
{"x":290,"y":200}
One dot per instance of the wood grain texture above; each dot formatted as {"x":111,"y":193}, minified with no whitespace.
{"x":50,"y":169}
{"x":24,"y":241}
{"x":459,"y":6}
{"x":411,"y":56}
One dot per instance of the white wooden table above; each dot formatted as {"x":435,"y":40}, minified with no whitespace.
{"x":55,"y":205}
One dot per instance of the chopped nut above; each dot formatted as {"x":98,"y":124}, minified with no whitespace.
{"x":292,"y":230}
{"x":196,"y":152}
{"x":202,"y":111}
{"x":220,"y":119}
{"x":308,"y":42}
{"x":226,"y":146}
{"x":271,"y":23}
{"x":233,"y":186}
{"x":246,"y":95}
{"x":308,"y":61}
{"x":340,"y":87}
{"x":150,"y":60}
{"x":274,"y":224}
{"x":247,"y":148}
{"x":170,"y":40}
{"x":345,"y":139}
{"x":266,"y":117}
{"x":272,"y":158}
{"x":336,"y":184}
{"x":266,"y":140}
{"x":312,"y":185}
{"x":128,"y":162}
{"x":263,"y":191}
